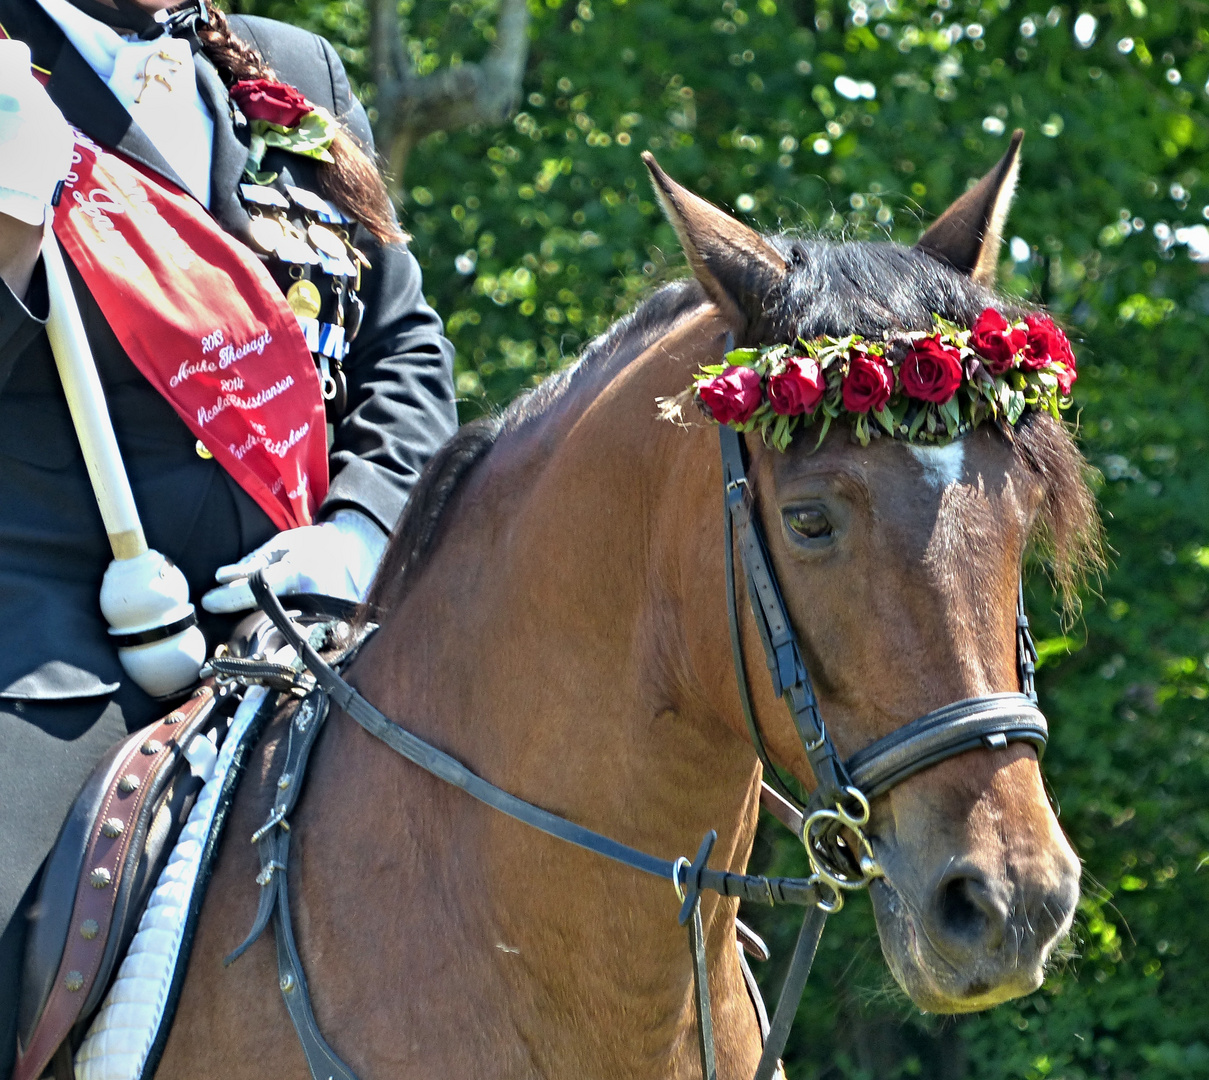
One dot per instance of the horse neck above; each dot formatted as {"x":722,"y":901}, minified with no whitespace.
{"x":557,"y":642}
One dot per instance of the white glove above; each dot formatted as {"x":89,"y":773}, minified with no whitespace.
{"x":338,"y":557}
{"x":35,"y":141}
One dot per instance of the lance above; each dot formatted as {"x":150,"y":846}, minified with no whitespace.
{"x":144,"y":595}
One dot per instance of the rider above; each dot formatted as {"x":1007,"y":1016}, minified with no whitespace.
{"x":188,"y":103}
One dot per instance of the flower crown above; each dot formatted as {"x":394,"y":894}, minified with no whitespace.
{"x":918,"y":386}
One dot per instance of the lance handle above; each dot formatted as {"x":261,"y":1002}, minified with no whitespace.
{"x":89,"y":413}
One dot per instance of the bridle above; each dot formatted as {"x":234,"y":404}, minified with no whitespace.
{"x":831,"y":824}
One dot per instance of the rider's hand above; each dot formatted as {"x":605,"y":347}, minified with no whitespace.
{"x":338,"y":558}
{"x":35,"y":141}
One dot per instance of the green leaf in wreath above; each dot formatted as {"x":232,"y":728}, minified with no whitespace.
{"x":1015,"y":406}
{"x":950,"y":412}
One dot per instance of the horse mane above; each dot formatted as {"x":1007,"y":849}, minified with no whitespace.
{"x":833,"y":288}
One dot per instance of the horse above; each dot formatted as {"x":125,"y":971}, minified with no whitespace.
{"x":552,"y":613}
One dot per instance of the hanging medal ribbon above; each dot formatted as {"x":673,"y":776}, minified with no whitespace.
{"x":202,"y":319}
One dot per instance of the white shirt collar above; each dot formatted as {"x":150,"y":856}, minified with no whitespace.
{"x":156,"y":82}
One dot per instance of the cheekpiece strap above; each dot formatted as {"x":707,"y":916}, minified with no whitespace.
{"x":790,"y":678}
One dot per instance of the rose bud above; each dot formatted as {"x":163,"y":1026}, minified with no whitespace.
{"x":868,"y":384}
{"x":931,"y":371}
{"x":734,"y":396}
{"x":273,"y":102}
{"x":996,"y":341}
{"x":798,"y":387}
{"x":1046,"y":344}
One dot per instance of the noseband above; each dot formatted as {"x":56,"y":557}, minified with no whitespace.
{"x":831,"y":824}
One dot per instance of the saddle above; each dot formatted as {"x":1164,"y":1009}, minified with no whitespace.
{"x":109,"y":854}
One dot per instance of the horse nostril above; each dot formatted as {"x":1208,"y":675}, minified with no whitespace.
{"x":966,"y":917}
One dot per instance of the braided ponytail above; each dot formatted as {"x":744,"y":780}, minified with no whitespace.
{"x":351,"y":180}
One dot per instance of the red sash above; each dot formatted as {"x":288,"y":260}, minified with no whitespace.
{"x":202,"y":319}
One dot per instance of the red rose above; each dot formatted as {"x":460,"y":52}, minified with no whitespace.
{"x":1046,"y":344}
{"x":260,"y":99}
{"x":996,"y":342}
{"x":1066,"y":377}
{"x":733,"y":396}
{"x":868,"y":384}
{"x":931,"y":371}
{"x":798,"y":387}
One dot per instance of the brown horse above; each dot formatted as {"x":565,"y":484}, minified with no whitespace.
{"x":553,"y":615}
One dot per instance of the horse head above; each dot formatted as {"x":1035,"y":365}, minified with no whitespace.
{"x":899,"y":565}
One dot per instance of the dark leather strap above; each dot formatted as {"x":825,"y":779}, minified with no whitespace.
{"x":991,"y":721}
{"x":755,"y":888}
{"x":705,"y":1023}
{"x":271,"y":839}
{"x":791,"y":993}
{"x":321,"y":1059}
{"x":790,"y":678}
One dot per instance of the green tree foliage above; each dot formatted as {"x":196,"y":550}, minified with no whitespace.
{"x":868,"y":120}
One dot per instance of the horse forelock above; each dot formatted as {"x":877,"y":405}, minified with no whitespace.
{"x":833,"y":288}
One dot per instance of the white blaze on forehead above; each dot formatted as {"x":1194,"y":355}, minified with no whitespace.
{"x":943,"y":465}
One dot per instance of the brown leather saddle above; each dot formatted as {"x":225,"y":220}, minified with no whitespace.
{"x":107,"y":859}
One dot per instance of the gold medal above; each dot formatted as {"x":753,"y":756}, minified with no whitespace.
{"x":203,"y":451}
{"x":325,"y":240}
{"x":304,"y":300}
{"x":266,"y":233}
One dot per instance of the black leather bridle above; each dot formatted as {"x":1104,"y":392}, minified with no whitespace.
{"x":831,"y":824}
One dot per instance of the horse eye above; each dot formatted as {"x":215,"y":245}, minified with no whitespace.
{"x":809,"y":522}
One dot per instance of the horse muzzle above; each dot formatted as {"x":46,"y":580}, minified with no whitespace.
{"x":967,"y":937}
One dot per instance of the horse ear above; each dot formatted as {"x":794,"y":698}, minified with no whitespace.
{"x":734,"y":263}
{"x":967,"y":235}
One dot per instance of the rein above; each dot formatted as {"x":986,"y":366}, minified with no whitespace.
{"x":831,"y":825}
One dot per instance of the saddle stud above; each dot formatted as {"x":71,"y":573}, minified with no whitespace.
{"x":74,"y":981}
{"x":128,"y":783}
{"x":173,"y":718}
{"x":113,"y":828}
{"x":285,"y":780}
{"x":152,"y":746}
{"x":287,"y":983}
{"x":89,"y":929}
{"x":100,"y":878}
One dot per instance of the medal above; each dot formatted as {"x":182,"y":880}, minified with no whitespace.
{"x":304,"y":300}
{"x":263,"y":196}
{"x":266,"y":233}
{"x":326,"y":241}
{"x":293,"y":248}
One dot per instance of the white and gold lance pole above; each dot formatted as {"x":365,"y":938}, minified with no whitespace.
{"x":144,"y":595}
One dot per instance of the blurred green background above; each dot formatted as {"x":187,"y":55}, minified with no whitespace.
{"x":867,"y":120}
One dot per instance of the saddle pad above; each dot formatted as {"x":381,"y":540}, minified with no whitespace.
{"x":125,"y":1039}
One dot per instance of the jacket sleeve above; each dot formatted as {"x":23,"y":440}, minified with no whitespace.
{"x":400,"y":391}
{"x":21,"y":322}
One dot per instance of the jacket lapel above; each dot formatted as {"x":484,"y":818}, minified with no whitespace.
{"x":230,"y":154}
{"x":88,"y":103}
